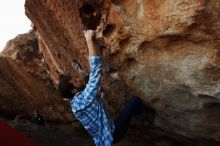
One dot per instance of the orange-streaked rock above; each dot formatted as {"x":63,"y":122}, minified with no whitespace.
{"x":167,"y":52}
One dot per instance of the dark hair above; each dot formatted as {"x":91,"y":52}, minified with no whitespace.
{"x":65,"y":87}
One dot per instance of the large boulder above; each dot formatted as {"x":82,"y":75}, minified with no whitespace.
{"x":25,"y":84}
{"x":167,"y":52}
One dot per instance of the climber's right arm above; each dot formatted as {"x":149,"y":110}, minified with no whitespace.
{"x":93,"y":47}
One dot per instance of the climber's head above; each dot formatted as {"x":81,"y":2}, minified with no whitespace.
{"x":68,"y":87}
{"x":78,"y":83}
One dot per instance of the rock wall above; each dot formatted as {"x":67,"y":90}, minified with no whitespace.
{"x":25,"y":84}
{"x":167,"y":52}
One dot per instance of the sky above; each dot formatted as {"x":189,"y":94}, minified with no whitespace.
{"x":13,"y":20}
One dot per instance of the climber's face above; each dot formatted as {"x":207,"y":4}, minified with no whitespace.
{"x":78,"y":83}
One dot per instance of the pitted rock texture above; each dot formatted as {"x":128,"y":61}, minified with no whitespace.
{"x":25,"y":84}
{"x":166,"y":52}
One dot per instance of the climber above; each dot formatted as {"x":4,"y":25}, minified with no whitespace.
{"x":90,"y":109}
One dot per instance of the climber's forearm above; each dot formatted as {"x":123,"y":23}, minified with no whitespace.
{"x":93,"y":47}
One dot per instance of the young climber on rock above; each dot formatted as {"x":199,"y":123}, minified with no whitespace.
{"x":89,"y":108}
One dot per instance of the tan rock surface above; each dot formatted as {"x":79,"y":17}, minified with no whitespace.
{"x":25,"y":84}
{"x":167,"y":52}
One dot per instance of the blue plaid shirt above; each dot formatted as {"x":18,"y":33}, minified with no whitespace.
{"x":90,"y":110}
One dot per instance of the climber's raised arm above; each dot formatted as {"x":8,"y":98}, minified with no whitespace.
{"x":93,"y":47}
{"x":95,"y":63}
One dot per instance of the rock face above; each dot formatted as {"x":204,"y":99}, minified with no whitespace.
{"x":167,"y":52}
{"x":25,"y":84}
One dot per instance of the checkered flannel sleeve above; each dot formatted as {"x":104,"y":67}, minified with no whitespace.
{"x":85,"y":97}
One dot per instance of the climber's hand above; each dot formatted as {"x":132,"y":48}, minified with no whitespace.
{"x":89,"y":35}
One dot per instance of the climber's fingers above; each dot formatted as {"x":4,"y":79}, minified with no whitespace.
{"x":89,"y":34}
